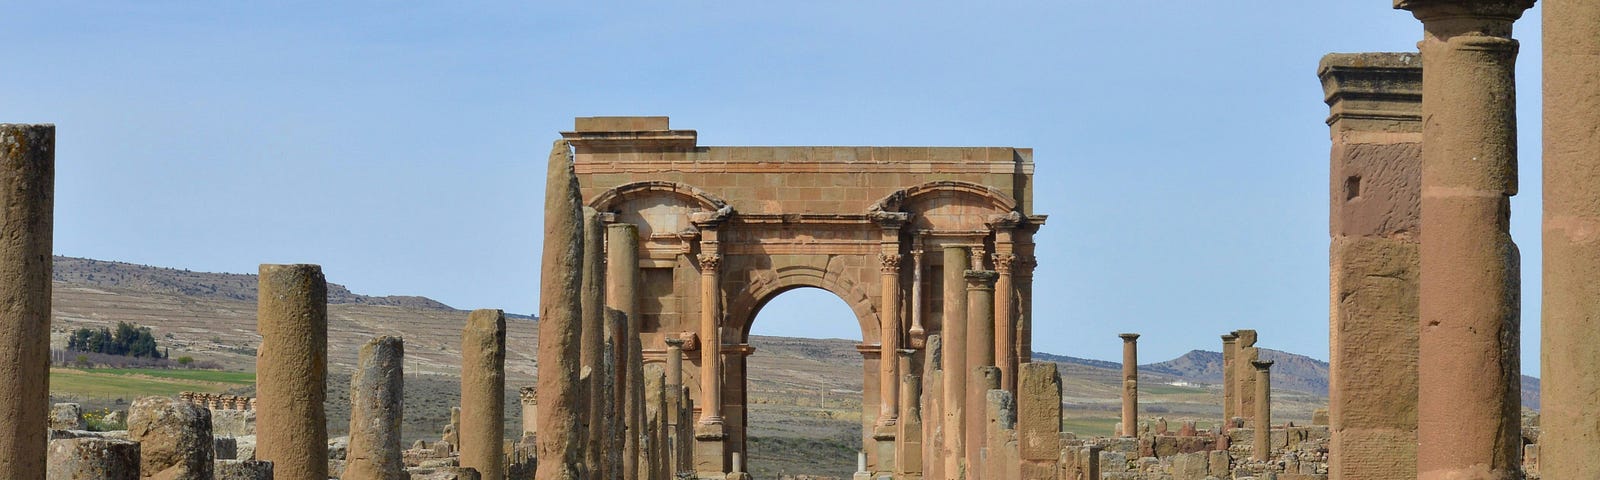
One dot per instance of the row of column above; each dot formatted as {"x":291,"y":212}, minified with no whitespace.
{"x":1427,"y":143}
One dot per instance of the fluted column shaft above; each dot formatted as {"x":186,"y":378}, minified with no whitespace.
{"x":889,"y":324}
{"x":1005,"y":326}
{"x":1468,"y":363}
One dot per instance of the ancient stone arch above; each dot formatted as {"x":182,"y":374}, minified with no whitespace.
{"x":725,"y":229}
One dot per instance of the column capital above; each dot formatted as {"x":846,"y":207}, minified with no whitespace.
{"x":1230,"y":338}
{"x":889,"y":263}
{"x":981,"y":279}
{"x":1129,"y":337}
{"x":1003,"y":262}
{"x":1426,"y":10}
{"x":674,"y":342}
{"x":709,"y":263}
{"x":1373,"y":90}
{"x":1261,"y":365}
{"x":527,"y":395}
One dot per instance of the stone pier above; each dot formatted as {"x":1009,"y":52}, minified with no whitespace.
{"x":1130,"y":384}
{"x":1039,"y":420}
{"x":27,"y":193}
{"x":934,"y":452}
{"x":676,"y":450}
{"x":292,"y":370}
{"x":908,"y":432}
{"x":1468,"y":367}
{"x":560,"y":317}
{"x":1375,"y":121}
{"x":483,"y":392}
{"x":1230,"y":350}
{"x":622,"y":297}
{"x":1244,"y":390}
{"x":591,"y":343}
{"x":980,"y":355}
{"x":953,"y":325}
{"x":1000,"y":423}
{"x":174,"y":438}
{"x":710,"y":432}
{"x":376,"y":410}
{"x":1262,"y":437}
{"x":1569,"y":361}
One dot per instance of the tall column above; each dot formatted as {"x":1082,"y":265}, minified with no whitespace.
{"x":710,"y":432}
{"x":1568,"y":446}
{"x":908,"y":437}
{"x":560,"y":317}
{"x":980,"y":354}
{"x":1130,"y":384}
{"x":889,"y":412}
{"x":889,"y":334}
{"x":592,"y":340}
{"x":483,"y":392}
{"x":1230,"y":347}
{"x":292,"y":370}
{"x":622,"y":297}
{"x":933,"y":402}
{"x":1468,"y":364}
{"x":1263,"y":433}
{"x":674,"y":393}
{"x":530,"y":413}
{"x":1375,"y":124}
{"x":918,"y":333}
{"x":1244,"y":391}
{"x":953,"y":338}
{"x":27,"y":194}
{"x":376,"y":410}
{"x":1025,"y":264}
{"x":1005,"y":326}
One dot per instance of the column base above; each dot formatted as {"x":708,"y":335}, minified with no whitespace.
{"x":710,"y":450}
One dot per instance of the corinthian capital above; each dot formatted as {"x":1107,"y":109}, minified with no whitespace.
{"x":889,"y":262}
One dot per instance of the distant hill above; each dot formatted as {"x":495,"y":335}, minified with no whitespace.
{"x":205,"y":285}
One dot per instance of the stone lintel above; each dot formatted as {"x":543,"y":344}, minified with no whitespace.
{"x":1384,"y":87}
{"x":620,"y":134}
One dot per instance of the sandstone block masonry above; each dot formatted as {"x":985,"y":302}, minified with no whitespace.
{"x":1375,"y":189}
{"x":174,"y":438}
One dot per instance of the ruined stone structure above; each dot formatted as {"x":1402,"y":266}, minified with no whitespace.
{"x":1130,"y":384}
{"x":27,"y":194}
{"x":1375,"y":120}
{"x":483,"y":391}
{"x":376,"y":409}
{"x":722,"y":230}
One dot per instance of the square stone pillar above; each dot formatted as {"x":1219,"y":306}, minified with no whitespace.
{"x":1039,"y":420}
{"x":1375,"y":102}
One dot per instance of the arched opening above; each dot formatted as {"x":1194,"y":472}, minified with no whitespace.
{"x":804,"y":386}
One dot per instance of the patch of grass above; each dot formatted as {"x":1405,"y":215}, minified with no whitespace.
{"x":91,"y":383}
{"x":1159,"y":389}
{"x":212,"y":376}
{"x":1088,"y":426}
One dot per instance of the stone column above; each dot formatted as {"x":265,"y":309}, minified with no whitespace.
{"x":654,"y":459}
{"x":560,"y":317}
{"x":92,"y":457}
{"x":376,"y":408}
{"x":1039,"y":420}
{"x":292,"y":370}
{"x":1263,"y":425}
{"x":174,"y":438}
{"x":1230,"y":347}
{"x":908,"y":436}
{"x":710,"y":432}
{"x":933,"y":402}
{"x":980,"y":354}
{"x":1023,"y":268}
{"x":483,"y":391}
{"x":889,"y":343}
{"x":674,"y":389}
{"x":1244,"y":390}
{"x":918,"y":333}
{"x":529,"y":398}
{"x":1005,"y":327}
{"x":1571,"y":303}
{"x":27,"y":193}
{"x":1468,"y":364}
{"x":1130,"y":384}
{"x":953,"y":333}
{"x":592,"y":340}
{"x":1375,"y":120}
{"x":622,"y":297}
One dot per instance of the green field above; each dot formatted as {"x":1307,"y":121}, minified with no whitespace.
{"x":131,"y":383}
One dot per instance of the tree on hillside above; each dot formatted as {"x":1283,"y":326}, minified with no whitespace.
{"x":128,"y":340}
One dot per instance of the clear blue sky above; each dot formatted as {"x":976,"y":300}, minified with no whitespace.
{"x":1181,"y":150}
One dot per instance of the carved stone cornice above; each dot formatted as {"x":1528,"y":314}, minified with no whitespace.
{"x":1006,"y":221}
{"x":710,"y":219}
{"x":889,"y":220}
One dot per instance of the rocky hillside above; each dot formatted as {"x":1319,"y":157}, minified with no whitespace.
{"x":202,"y":285}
